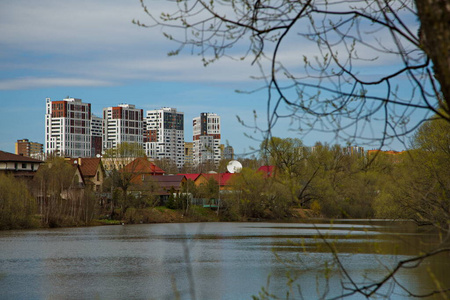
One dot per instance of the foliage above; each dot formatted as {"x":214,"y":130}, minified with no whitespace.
{"x":335,"y":181}
{"x":210,"y":189}
{"x":125,"y":150}
{"x":17,"y":206}
{"x":119,"y":177}
{"x":420,"y":183}
{"x":255,"y":196}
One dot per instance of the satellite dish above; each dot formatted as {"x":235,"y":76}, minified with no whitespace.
{"x":234,"y":166}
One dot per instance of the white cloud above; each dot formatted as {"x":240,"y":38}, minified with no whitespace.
{"x":31,"y":82}
{"x":83,"y":43}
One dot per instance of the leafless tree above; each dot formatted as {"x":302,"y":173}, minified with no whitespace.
{"x":367,"y":71}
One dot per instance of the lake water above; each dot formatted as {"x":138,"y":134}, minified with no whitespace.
{"x":214,"y":260}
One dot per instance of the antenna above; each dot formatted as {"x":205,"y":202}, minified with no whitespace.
{"x":234,"y":166}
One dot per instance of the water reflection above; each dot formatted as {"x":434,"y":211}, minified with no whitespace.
{"x":212,"y":260}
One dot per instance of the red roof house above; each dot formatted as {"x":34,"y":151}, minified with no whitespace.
{"x":141,"y":167}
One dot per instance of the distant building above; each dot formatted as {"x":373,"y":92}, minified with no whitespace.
{"x":68,"y":128}
{"x":30,"y":149}
{"x":122,"y":124}
{"x":164,"y":135}
{"x":227,"y":152}
{"x":206,"y":136}
{"x":354,"y":150}
{"x":96,"y":135}
{"x":189,"y":153}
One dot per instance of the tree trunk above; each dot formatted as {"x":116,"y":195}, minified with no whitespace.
{"x":434,"y":17}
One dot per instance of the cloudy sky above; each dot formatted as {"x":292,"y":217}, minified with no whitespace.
{"x":90,"y":49}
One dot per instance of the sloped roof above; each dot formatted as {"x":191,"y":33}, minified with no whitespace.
{"x":268,"y":171}
{"x":76,"y":167}
{"x":89,"y":166}
{"x":166,"y":183}
{"x":142,"y":165}
{"x":192,"y":177}
{"x":10,"y":157}
{"x":222,"y":178}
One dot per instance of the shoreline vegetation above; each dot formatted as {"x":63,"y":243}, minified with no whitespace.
{"x":302,"y":183}
{"x":161,"y":215}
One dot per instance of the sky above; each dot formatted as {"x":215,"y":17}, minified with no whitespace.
{"x":90,"y":49}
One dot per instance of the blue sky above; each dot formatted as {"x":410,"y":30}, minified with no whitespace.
{"x":91,"y":50}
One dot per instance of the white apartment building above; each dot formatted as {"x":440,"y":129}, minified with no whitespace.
{"x":206,"y":136}
{"x":68,"y":128}
{"x":122,"y":123}
{"x":164,"y":135}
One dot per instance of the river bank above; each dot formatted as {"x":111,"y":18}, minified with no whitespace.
{"x":161,"y":214}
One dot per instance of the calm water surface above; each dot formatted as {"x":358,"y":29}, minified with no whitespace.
{"x":212,"y":260}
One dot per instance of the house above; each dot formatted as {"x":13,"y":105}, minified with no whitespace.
{"x":197,"y":178}
{"x":166,"y":185}
{"x":93,"y":172}
{"x":141,"y":167}
{"x":18,"y":165}
{"x":78,"y":178}
{"x":222,"y":179}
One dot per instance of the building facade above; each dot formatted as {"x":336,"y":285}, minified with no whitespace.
{"x":30,"y":149}
{"x":227,"y":152}
{"x":164,"y":135}
{"x":96,"y":135}
{"x":122,"y":124}
{"x":68,"y":128}
{"x":206,"y":137}
{"x":189,"y":153}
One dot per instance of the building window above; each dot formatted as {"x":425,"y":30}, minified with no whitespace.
{"x":24,"y":166}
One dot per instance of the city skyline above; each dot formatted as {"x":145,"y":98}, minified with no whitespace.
{"x":99,"y":56}
{"x":72,"y":130}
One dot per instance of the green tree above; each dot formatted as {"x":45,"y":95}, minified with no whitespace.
{"x":254,"y":195}
{"x":210,"y":189}
{"x":17,"y":206}
{"x":120,"y":177}
{"x":290,"y":158}
{"x":342,"y":186}
{"x":419,"y":187}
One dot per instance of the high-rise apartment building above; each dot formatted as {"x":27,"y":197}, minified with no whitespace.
{"x":30,"y":149}
{"x":164,"y":135}
{"x":123,"y":123}
{"x":68,"y":128}
{"x":96,"y":135}
{"x":206,"y":136}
